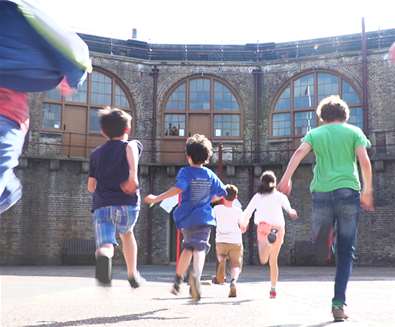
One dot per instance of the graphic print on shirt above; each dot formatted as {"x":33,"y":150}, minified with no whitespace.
{"x":200,"y":191}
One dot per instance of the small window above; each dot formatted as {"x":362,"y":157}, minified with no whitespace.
{"x":327,"y":85}
{"x":94,"y":121}
{"x":175,"y":125}
{"x":349,"y":94}
{"x":304,"y":122}
{"x":177,"y":99}
{"x":101,"y":89}
{"x":121,"y":101}
{"x":284,"y":101}
{"x":304,"y":92}
{"x":199,"y":94}
{"x":281,"y":125}
{"x":80,"y":96}
{"x":226,"y":125}
{"x":51,"y":115}
{"x":356,"y":117}
{"x":54,"y":95}
{"x":224,"y":99}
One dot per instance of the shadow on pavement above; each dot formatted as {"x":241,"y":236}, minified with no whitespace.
{"x":106,"y":320}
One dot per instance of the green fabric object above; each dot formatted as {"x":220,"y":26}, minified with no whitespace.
{"x":334,"y":146}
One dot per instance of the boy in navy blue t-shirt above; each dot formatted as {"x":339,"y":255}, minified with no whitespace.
{"x":198,"y":186}
{"x":116,"y":198}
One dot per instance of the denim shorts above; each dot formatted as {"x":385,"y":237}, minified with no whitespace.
{"x":110,"y":220}
{"x":196,"y":238}
{"x":12,"y":138}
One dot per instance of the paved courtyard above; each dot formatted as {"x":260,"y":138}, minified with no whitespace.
{"x":68,"y":296}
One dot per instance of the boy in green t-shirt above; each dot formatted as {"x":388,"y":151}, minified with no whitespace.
{"x":335,"y":187}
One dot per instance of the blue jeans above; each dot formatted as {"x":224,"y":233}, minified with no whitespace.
{"x":342,"y":207}
{"x":11,"y":144}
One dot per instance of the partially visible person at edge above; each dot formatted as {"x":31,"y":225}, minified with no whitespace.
{"x":14,"y":123}
{"x":335,"y":188}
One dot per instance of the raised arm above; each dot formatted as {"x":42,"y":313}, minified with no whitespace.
{"x":366,"y":170}
{"x":300,"y":153}
{"x":247,"y":213}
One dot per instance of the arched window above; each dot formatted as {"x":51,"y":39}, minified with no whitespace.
{"x":76,"y":116}
{"x":204,"y":105}
{"x":293,"y":113}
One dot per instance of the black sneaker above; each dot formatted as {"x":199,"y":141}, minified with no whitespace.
{"x":103,"y":270}
{"x":194,"y":284}
{"x":136,"y":280}
{"x":175,"y":289}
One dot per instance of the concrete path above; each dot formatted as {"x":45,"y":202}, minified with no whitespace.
{"x":69,"y":296}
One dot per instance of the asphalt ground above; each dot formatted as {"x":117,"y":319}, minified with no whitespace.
{"x":69,"y":296}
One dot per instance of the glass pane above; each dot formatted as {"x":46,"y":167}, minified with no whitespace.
{"x":79,"y":95}
{"x":199,"y":94}
{"x":101,"y":89}
{"x":94,"y":121}
{"x":349,"y":94}
{"x":121,"y":101}
{"x":281,"y":125}
{"x":327,"y":85}
{"x":226,"y":125}
{"x":223,"y":98}
{"x":174,"y":125}
{"x":356,"y":117}
{"x":304,"y":92}
{"x":54,"y":94}
{"x":304,"y":122}
{"x":51,"y":115}
{"x":177,"y":99}
{"x":284,"y":101}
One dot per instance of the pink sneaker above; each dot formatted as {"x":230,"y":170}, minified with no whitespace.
{"x":273,"y":294}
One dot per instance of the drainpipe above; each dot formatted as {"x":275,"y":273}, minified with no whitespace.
{"x":365,"y":102}
{"x":251,"y":224}
{"x":257,"y":73}
{"x":154,"y":74}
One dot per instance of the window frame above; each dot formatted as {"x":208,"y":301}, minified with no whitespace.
{"x":88,"y":104}
{"x":293,"y":111}
{"x":211,"y":112}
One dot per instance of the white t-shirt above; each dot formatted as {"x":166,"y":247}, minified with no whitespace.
{"x":228,"y":219}
{"x":268,"y":208}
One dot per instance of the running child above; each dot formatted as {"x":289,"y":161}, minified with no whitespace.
{"x":114,"y":183}
{"x":198,"y":186}
{"x":228,"y":240}
{"x":269,"y":218}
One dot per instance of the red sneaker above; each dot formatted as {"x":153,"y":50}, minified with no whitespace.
{"x":273,"y":294}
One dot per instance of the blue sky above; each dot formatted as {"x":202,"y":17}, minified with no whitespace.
{"x":221,"y":21}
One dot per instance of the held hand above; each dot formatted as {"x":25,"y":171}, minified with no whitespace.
{"x":293,"y":214}
{"x":367,"y":201}
{"x":285,"y":186}
{"x":150,"y":199}
{"x":243,"y":228}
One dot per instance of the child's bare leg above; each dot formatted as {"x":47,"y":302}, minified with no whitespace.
{"x":273,"y":264}
{"x":220,"y":275}
{"x":198,"y":263}
{"x":264,"y":249}
{"x":129,"y":250}
{"x":184,"y":262}
{"x":106,"y":250}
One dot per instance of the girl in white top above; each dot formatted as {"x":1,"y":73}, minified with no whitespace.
{"x":269,"y":218}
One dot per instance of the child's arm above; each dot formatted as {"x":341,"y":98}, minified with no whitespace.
{"x":366,"y":170}
{"x":247,"y":213}
{"x":286,"y":205}
{"x":152,"y":199}
{"x":132,"y":183}
{"x":91,"y":184}
{"x":300,"y":153}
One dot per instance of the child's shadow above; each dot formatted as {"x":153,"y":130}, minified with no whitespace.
{"x":219,"y":302}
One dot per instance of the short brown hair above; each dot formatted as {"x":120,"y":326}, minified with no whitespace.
{"x":114,"y":122}
{"x":333,"y":108}
{"x":268,"y":182}
{"x":199,"y":148}
{"x":232,"y":191}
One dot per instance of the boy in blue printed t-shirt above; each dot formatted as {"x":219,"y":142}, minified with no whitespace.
{"x":198,"y":186}
{"x":113,"y":180}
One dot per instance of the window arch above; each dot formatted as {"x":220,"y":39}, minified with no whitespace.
{"x":76,"y":116}
{"x":293,"y":112}
{"x":202,"y":104}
